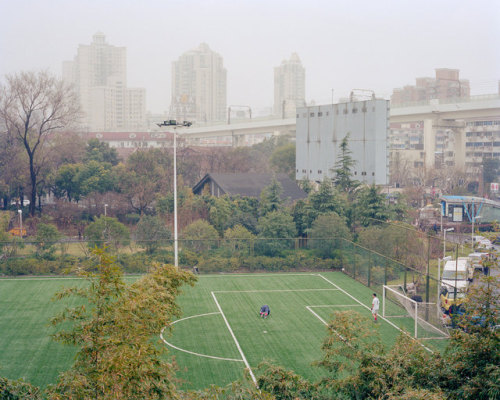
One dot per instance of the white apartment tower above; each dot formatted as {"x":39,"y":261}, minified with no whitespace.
{"x":99,"y":74}
{"x":289,"y":87}
{"x":199,"y":86}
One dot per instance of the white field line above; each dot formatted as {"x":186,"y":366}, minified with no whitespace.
{"x":273,"y":290}
{"x":192,"y":352}
{"x":336,"y":305}
{"x":368,"y":308}
{"x":235,"y":340}
{"x":253,"y":275}
{"x":326,"y":324}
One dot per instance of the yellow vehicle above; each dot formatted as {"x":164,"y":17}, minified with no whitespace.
{"x":448,"y":298}
{"x":17,"y":232}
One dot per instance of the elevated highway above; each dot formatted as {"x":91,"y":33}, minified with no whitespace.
{"x":483,"y":106}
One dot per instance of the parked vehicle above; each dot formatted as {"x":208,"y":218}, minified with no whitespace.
{"x":455,"y":274}
{"x":448,"y":299}
{"x":476,"y":264}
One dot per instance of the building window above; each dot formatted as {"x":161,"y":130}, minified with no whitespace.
{"x":312,"y":114}
{"x":320,"y":114}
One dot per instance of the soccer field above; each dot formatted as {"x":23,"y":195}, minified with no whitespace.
{"x":219,"y":335}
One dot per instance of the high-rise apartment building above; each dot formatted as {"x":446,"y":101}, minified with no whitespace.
{"x":199,"y":86}
{"x":289,"y":87}
{"x":446,"y":85}
{"x":99,"y":74}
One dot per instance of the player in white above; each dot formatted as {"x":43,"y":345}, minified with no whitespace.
{"x":375,"y":306}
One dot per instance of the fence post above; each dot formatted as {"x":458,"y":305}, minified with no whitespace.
{"x":369,"y":269}
{"x":427,"y":281}
{"x":385,"y":272}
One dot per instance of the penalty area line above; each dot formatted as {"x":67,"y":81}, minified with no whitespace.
{"x":368,"y":308}
{"x":235,"y":340}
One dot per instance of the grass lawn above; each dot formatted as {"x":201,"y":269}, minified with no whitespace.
{"x":219,"y":335}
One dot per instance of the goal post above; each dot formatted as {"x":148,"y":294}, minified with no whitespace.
{"x":424,"y":319}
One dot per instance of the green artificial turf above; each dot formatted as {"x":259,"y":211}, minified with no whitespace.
{"x":205,"y":350}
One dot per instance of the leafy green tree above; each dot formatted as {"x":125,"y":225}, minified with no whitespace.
{"x":360,"y":367}
{"x":283,"y":384}
{"x":471,"y":367}
{"x":276,"y":231}
{"x":304,"y":215}
{"x":270,"y":198}
{"x":220,"y":214}
{"x":239,"y":239}
{"x":343,"y":168}
{"x":114,"y":329}
{"x":326,"y":199}
{"x":107,"y":231}
{"x":46,"y":238}
{"x":200,"y":236}
{"x":283,"y":160}
{"x":371,"y":206}
{"x":327,"y":234}
{"x":142,"y":179}
{"x":151,"y":233}
{"x":67,"y":183}
{"x":96,"y":150}
{"x":95,"y":177}
{"x":18,"y":390}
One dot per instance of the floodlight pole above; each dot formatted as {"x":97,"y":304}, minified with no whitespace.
{"x":175,"y":124}
{"x":176,"y":246}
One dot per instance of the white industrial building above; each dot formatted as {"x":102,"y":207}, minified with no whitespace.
{"x":321,"y":129}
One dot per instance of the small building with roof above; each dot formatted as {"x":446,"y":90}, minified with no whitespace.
{"x":248,"y":185}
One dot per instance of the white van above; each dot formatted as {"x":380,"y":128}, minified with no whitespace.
{"x":456,"y":273}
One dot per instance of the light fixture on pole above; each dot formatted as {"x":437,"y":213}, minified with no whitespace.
{"x":444,"y":239}
{"x":105,"y":207}
{"x":472,"y":232}
{"x":20,"y":223}
{"x":174,"y":123}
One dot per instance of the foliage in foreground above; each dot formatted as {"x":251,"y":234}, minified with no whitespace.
{"x":117,"y":356}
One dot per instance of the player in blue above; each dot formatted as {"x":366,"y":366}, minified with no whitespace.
{"x":265,"y":311}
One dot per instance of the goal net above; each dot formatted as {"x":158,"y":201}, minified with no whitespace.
{"x":422,"y":320}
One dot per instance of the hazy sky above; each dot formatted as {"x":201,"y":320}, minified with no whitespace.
{"x":367,"y":44}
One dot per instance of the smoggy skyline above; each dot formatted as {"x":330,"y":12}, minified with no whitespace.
{"x":342,"y":45}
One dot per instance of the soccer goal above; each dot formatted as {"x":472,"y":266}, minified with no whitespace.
{"x":423,"y":318}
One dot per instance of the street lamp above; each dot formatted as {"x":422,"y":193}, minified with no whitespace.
{"x":105,"y":207}
{"x":444,"y":239}
{"x":472,"y":232}
{"x":20,"y":223}
{"x":174,"y":123}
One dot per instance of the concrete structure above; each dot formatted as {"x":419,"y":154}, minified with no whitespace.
{"x":199,"y":86}
{"x":446,"y":85}
{"x":321,"y":129}
{"x":99,"y":75}
{"x":289,"y":87}
{"x":446,"y":135}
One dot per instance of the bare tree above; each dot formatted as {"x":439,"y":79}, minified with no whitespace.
{"x":33,"y":107}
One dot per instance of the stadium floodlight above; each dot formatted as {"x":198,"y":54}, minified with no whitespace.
{"x":173,"y":122}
